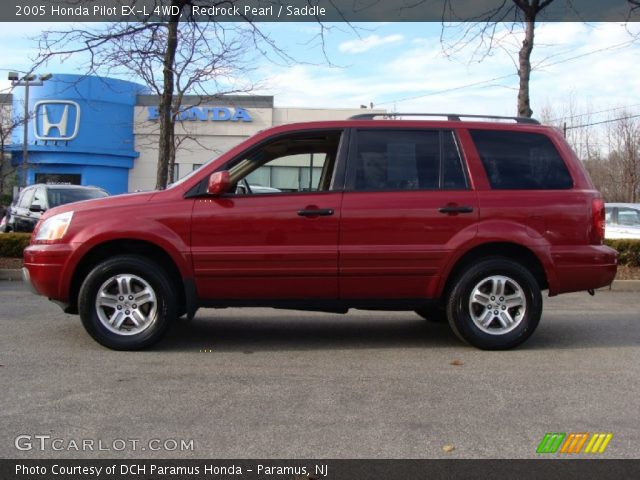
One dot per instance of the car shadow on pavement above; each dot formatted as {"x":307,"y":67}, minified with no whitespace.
{"x":305,"y":331}
{"x":275,"y":331}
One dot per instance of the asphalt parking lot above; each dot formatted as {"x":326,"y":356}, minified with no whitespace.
{"x":263,"y":383}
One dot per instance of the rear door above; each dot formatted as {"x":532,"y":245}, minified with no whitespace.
{"x":407,"y":204}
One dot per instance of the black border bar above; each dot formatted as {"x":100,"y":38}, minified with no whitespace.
{"x":161,"y":469}
{"x":315,"y":11}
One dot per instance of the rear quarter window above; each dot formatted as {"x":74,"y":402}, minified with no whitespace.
{"x":521,"y":161}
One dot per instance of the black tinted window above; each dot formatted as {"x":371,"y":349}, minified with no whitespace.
{"x":60,"y":196}
{"x":407,"y":160}
{"x":521,"y":160}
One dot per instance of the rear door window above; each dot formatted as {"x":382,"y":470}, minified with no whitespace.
{"x":406,"y":160}
{"x":521,"y":160}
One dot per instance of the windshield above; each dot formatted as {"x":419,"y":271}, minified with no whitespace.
{"x":61,"y":196}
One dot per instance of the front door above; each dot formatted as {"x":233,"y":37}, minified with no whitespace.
{"x":276,"y":236}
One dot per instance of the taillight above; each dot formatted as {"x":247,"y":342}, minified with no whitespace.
{"x":597,"y":221}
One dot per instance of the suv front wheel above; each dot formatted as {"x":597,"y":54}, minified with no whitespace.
{"x":495,"y":304}
{"x":127,"y":302}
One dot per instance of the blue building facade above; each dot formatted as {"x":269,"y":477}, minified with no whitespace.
{"x":81,"y":131}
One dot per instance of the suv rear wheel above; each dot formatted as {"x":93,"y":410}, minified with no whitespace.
{"x":127,"y":302}
{"x":495,"y":304}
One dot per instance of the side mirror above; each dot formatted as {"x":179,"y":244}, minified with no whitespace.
{"x":219,"y":183}
{"x":36,"y":208}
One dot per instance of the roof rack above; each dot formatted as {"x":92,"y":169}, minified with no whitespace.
{"x":451,"y":117}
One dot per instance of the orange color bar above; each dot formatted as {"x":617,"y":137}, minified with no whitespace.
{"x":583,"y":439}
{"x":567,"y":443}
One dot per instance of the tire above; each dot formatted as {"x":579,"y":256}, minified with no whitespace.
{"x":435,"y":314}
{"x":514,"y":298}
{"x":127,"y":302}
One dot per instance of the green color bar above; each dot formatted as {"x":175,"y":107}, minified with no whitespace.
{"x":551,"y":442}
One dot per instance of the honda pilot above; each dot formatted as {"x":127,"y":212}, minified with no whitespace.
{"x":459,"y":218}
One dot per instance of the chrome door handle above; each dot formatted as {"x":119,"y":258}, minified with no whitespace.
{"x":453,"y":209}
{"x":318,"y":212}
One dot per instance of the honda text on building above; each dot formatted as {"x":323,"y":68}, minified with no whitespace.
{"x":455,"y":218}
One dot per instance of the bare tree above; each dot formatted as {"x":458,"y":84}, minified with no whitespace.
{"x":575,"y":119}
{"x":604,"y":179}
{"x":609,"y":148}
{"x":208,"y":57}
{"x":482,"y":29}
{"x":624,"y":157}
{"x":172,"y":57}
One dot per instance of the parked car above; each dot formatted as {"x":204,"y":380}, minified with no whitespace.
{"x":4,"y":212}
{"x":244,"y":187}
{"x":622,"y":221}
{"x":458,"y":218}
{"x":36,"y":199}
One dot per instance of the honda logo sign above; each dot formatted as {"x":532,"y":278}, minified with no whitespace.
{"x":56,"y":120}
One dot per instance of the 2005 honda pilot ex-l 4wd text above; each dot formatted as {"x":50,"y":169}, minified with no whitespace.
{"x":454,"y":218}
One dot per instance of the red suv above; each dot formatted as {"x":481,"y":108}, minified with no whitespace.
{"x":457,"y":218}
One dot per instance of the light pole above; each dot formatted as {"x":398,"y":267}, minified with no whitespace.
{"x":28,"y":80}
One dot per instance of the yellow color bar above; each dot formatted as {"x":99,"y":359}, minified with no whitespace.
{"x":599,"y":440}
{"x":590,"y":444}
{"x":598,"y":443}
{"x":607,"y":439}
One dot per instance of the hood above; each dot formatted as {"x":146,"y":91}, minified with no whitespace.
{"x":98,"y":203}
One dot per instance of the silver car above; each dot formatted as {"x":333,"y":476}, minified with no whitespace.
{"x":623,"y":221}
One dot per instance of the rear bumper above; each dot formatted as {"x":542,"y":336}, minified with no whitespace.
{"x":26,"y":279}
{"x":584,"y":268}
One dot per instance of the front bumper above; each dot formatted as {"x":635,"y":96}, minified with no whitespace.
{"x":44,"y":270}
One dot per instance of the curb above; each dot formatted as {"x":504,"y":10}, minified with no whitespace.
{"x":14,"y":275}
{"x":624,"y":286}
{"x":10,"y":274}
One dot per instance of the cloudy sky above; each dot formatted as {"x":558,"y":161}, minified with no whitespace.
{"x":402,"y":67}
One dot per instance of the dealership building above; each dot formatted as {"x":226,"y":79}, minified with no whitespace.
{"x":89,"y":130}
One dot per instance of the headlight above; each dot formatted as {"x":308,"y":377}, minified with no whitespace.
{"x":54,"y":228}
